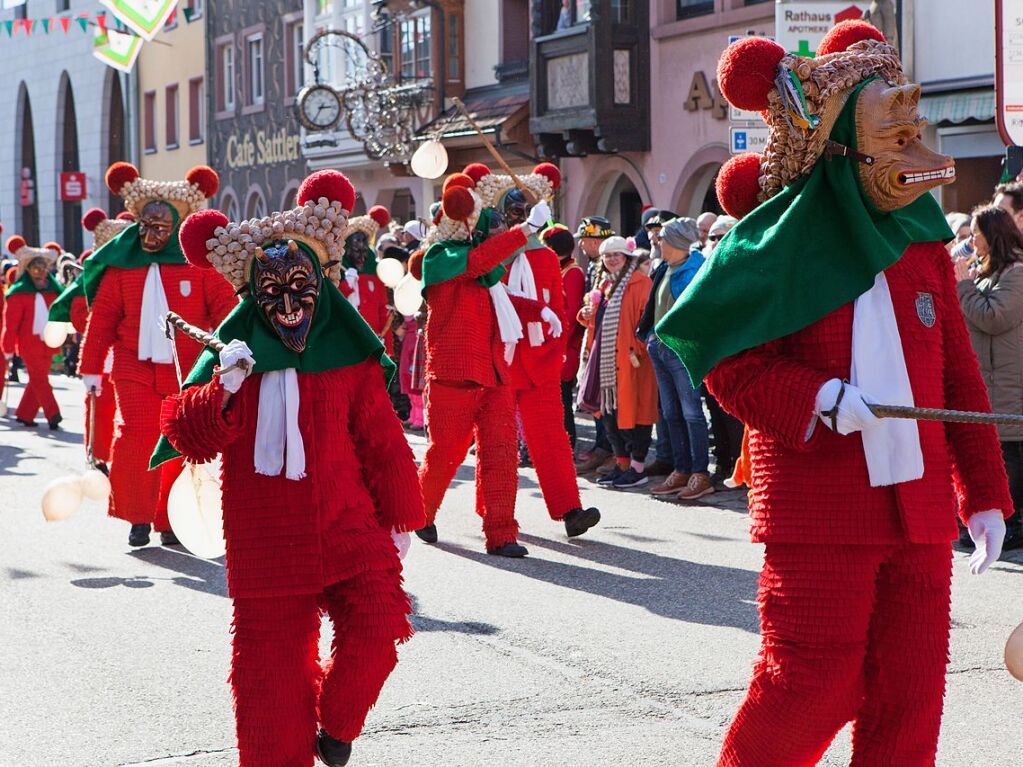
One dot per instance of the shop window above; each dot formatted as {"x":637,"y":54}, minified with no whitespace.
{"x":225,"y":77}
{"x":386,"y":51}
{"x":196,"y":110}
{"x":621,"y":11}
{"x":686,"y":9}
{"x":171,"y":115}
{"x":254,"y":93}
{"x":413,"y":54}
{"x":149,"y":121}
{"x":514,"y":31}
{"x":561,"y":15}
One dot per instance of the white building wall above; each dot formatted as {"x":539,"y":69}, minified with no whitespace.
{"x":482,"y":42}
{"x":954,"y":40}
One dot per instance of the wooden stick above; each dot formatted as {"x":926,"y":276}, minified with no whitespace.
{"x":203,"y":338}
{"x":494,"y":153}
{"x":947,"y":416}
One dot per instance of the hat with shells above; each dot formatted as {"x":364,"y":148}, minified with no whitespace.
{"x":26,"y":254}
{"x":370,"y":225}
{"x":458,"y":213}
{"x":103,"y":228}
{"x":324,"y":199}
{"x":492,"y":187}
{"x":186,"y":196}
{"x":800,"y":99}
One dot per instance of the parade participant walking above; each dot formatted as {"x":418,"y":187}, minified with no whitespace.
{"x":131,"y":283}
{"x":535,"y":369}
{"x":470,"y":323}
{"x":319,"y":482}
{"x":362,"y":287}
{"x":857,"y":512}
{"x":27,"y":303}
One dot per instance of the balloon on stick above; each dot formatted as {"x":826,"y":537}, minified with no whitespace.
{"x":61,"y":498}
{"x":408,"y":295}
{"x":390,"y":271}
{"x":195,"y":511}
{"x":430,"y":160}
{"x":95,"y":485}
{"x":55,"y":334}
{"x":1014,"y":653}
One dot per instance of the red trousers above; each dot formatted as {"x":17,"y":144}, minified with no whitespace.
{"x":138,"y":495}
{"x":455,"y":414}
{"x":850,"y":633}
{"x":106,"y":409}
{"x":38,"y":392}
{"x":540,"y":408}
{"x":280,"y":690}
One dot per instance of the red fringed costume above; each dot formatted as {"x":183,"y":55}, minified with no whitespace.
{"x":105,"y":403}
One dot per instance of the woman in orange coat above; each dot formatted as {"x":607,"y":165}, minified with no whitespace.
{"x":619,"y":382}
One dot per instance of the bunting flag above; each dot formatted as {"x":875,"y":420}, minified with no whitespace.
{"x":65,"y":23}
{"x":28,"y":27}
{"x":117,"y":49}
{"x":46,"y":26}
{"x":9,"y":26}
{"x":189,"y":12}
{"x":146,"y":17}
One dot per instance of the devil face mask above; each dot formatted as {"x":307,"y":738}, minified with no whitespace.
{"x":357,"y":250}
{"x":156,"y":226}
{"x":888,"y":126}
{"x":286,"y":286}
{"x":515,"y":207}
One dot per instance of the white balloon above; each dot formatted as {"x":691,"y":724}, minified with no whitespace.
{"x":430,"y":160}
{"x":55,"y":334}
{"x":61,"y":498}
{"x":195,"y":511}
{"x":96,"y":485}
{"x":390,"y":271}
{"x":408,"y":295}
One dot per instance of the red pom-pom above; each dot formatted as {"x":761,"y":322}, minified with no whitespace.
{"x":747,"y":70}
{"x":457,"y":203}
{"x":738,"y":184}
{"x":15,"y":243}
{"x":92,"y":218}
{"x":476,"y":171}
{"x":458,"y":180}
{"x":126,"y":215}
{"x":330,"y":184}
{"x":195,"y":231}
{"x":119,"y":174}
{"x":55,"y":246}
{"x":85,"y":254}
{"x":846,"y":34}
{"x":380,"y":214}
{"x":204,"y":177}
{"x":549,"y":171}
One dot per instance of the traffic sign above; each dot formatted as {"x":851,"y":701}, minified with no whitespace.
{"x":748,"y":139}
{"x":1009,"y":70}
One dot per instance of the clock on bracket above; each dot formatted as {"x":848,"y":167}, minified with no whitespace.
{"x":319,"y":107}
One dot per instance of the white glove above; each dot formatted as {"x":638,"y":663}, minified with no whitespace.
{"x":539,"y":216}
{"x":547,"y":315}
{"x":8,"y":356}
{"x":352,"y":278}
{"x":853,"y":413}
{"x":236,"y":351}
{"x":402,"y":541}
{"x":93,"y":382}
{"x":987,"y":529}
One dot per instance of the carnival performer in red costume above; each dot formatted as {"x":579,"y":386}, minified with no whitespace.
{"x":130,"y":284}
{"x":472,"y":325}
{"x":361,"y":285}
{"x":319,"y":483}
{"x":26,"y":307}
{"x":534,"y":273}
{"x":833,"y":292}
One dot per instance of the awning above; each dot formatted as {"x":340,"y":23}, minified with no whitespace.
{"x":493,"y":113}
{"x":957,"y":108}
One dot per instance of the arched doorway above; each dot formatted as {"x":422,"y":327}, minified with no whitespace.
{"x":117,"y":138}
{"x":25,"y":151}
{"x":255,"y":206}
{"x":229,"y":204}
{"x":70,"y":224}
{"x":625,"y":207}
{"x":617,"y":193}
{"x":694,"y":193}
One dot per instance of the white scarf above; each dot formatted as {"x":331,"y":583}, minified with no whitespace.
{"x":522,"y":283}
{"x":153,"y":342}
{"x":40,"y":314}
{"x":892,"y":446}
{"x":508,"y":322}
{"x":277,"y":429}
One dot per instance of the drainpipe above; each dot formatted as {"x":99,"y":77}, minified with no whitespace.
{"x":908,"y":33}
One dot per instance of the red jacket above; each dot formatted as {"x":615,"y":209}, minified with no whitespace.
{"x":18,"y":338}
{"x":298,"y":537}
{"x":463,"y":344}
{"x":574,"y":280}
{"x":817,"y":490}
{"x":201,"y":296}
{"x":372,"y":301}
{"x":536,"y":365}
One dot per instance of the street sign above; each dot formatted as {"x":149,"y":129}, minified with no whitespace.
{"x":800,"y":25}
{"x":1009,"y":69}
{"x":748,"y":139}
{"x":72,"y":186}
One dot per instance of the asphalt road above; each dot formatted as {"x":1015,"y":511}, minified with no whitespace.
{"x":630,"y":646}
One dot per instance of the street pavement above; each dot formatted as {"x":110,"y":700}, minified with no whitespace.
{"x":630,"y":646}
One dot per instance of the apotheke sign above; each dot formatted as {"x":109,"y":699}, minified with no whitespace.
{"x":800,"y":25}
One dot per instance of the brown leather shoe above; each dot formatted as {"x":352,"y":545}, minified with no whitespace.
{"x":698,"y":486}
{"x":673,"y":483}
{"x":607,"y":466}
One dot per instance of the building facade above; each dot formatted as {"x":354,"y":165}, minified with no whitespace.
{"x":171,"y":87}
{"x":253,"y":138}
{"x":67,"y":113}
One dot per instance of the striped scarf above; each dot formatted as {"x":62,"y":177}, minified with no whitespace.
{"x":608,"y":342}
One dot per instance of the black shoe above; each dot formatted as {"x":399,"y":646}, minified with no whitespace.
{"x":167,"y":538}
{"x":23,"y":422}
{"x":630,"y":478}
{"x":139,"y":535}
{"x":611,"y":476}
{"x":511,"y":550}
{"x":427,"y":534}
{"x":332,"y":752}
{"x":578,"y":521}
{"x":54,"y":422}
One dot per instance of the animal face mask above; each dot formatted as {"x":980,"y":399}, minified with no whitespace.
{"x":286,"y":288}
{"x":357,"y":250}
{"x":156,"y":226}
{"x":888,"y":126}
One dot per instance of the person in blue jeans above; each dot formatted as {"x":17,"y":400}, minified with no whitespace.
{"x":680,"y":401}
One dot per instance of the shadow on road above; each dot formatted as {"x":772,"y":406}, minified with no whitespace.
{"x":10,"y":457}
{"x":425,"y":624}
{"x":710,"y":595}
{"x":207,"y":576}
